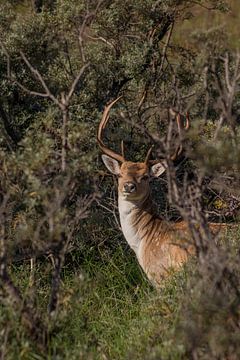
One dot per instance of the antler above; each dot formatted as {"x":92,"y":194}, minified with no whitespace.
{"x":121,"y":158}
{"x":147,"y":161}
{"x":102,"y":126}
{"x":180,"y":126}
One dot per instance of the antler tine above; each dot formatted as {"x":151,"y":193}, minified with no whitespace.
{"x":102,"y":126}
{"x":179,"y":149}
{"x":180,"y":127}
{"x":187,"y":121}
{"x":146,"y":161}
{"x":180,"y":124}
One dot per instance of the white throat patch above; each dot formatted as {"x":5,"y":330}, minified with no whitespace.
{"x":126,"y":211}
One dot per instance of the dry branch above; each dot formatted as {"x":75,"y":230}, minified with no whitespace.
{"x":62,"y":101}
{"x":30,"y":318}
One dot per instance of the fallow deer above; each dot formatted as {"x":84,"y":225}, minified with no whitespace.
{"x":154,"y":241}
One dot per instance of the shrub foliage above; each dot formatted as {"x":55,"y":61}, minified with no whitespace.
{"x":61,"y":62}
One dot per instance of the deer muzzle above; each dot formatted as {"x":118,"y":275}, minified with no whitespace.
{"x":129,"y":187}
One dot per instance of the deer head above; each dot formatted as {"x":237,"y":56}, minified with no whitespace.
{"x":133,"y":177}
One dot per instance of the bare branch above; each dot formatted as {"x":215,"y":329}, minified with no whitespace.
{"x":219,"y":126}
{"x":227,"y":88}
{"x":28,"y":91}
{"x":35,"y":327}
{"x":166,"y":46}
{"x":39,"y":77}
{"x":75,"y":82}
{"x":101,"y":38}
{"x":89,"y":18}
{"x":227,"y":77}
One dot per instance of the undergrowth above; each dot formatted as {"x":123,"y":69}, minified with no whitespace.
{"x":108,"y":310}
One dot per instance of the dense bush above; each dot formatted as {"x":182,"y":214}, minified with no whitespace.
{"x":61,"y":63}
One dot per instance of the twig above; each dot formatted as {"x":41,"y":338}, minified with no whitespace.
{"x":75,"y":83}
{"x":39,"y":78}
{"x":166,"y":46}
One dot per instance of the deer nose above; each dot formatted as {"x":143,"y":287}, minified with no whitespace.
{"x":129,"y":187}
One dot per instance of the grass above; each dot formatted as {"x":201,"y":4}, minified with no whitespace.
{"x":115,"y":311}
{"x":108,"y":311}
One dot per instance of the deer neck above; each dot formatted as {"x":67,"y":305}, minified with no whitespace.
{"x":135,"y":216}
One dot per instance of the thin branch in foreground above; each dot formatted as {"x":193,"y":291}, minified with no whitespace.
{"x":75,"y":82}
{"x":62,"y":102}
{"x":40,"y":79}
{"x":36,"y":329}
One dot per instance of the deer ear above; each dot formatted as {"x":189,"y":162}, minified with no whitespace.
{"x":111,"y":164}
{"x":157,"y":169}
